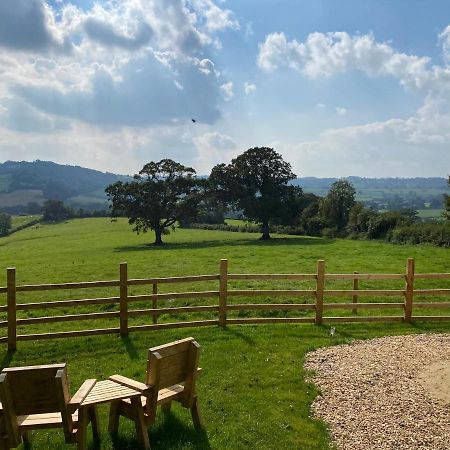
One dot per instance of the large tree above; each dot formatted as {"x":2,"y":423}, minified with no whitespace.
{"x":256,"y":182}
{"x":161,"y":194}
{"x":336,"y":206}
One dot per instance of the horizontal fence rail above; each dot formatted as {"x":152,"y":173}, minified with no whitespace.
{"x":318,"y":292}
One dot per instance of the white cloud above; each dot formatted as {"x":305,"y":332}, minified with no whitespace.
{"x":444,"y":38}
{"x":415,"y":146}
{"x":227,"y":91}
{"x":327,"y":54}
{"x":340,"y":111}
{"x":132,"y":63}
{"x":216,"y":18}
{"x":249,"y":88}
{"x":213,"y":148}
{"x":321,"y":106}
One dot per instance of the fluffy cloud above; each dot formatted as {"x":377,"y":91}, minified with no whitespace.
{"x":132,"y":63}
{"x":249,"y":88}
{"x":415,"y":146}
{"x":216,"y":18}
{"x":227,"y":91}
{"x":213,"y":148}
{"x":327,"y":54}
{"x":444,"y":37}
{"x":29,"y":25}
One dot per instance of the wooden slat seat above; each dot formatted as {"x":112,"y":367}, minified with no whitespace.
{"x":50,"y":419}
{"x":172,"y":370}
{"x":37,"y":397}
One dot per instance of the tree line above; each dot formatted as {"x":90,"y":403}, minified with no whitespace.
{"x":256,"y":185}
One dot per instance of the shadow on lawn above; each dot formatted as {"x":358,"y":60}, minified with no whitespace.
{"x":171,"y":433}
{"x":6,"y":360}
{"x":130,"y":348}
{"x":274,"y":242}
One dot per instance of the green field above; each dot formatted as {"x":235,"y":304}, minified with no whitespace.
{"x":18,"y":221}
{"x":435,"y":214}
{"x":253,"y":391}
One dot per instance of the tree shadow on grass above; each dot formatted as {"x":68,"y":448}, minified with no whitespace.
{"x":274,"y":242}
{"x":170,"y":434}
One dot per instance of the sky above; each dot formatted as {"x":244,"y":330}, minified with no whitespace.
{"x":338,"y":87}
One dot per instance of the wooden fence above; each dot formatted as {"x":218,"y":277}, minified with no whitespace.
{"x":318,"y":306}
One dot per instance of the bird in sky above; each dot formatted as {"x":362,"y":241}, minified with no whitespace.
{"x":193,"y":120}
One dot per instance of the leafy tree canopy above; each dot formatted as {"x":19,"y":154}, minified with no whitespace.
{"x":161,"y":194}
{"x":336,"y":206}
{"x":55,"y":210}
{"x":256,"y":182}
{"x":5,"y":224}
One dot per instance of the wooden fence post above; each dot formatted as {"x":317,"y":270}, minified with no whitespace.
{"x":320,"y":287}
{"x":155,"y":301}
{"x":12,"y":310}
{"x":409,"y":289}
{"x":355,"y":297}
{"x":223,"y":292}
{"x":123,"y":299}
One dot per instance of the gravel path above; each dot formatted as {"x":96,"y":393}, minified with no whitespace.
{"x":374,"y":395}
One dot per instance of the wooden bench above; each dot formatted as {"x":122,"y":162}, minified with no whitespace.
{"x":172,"y":370}
{"x":36,"y":397}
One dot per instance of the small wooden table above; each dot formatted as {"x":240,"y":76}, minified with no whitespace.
{"x":103,"y":392}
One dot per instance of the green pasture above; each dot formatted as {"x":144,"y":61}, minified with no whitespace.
{"x":18,"y":221}
{"x":253,"y":391}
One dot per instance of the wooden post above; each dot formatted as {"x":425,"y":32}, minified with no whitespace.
{"x":12,"y":311}
{"x":319,"y":290}
{"x":223,"y":292}
{"x":409,"y":289}
{"x":123,"y":299}
{"x":355,"y":297}
{"x":155,"y":301}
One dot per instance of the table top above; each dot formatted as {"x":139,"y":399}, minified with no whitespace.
{"x":108,"y":390}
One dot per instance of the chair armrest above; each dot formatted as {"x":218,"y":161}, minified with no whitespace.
{"x":81,"y":394}
{"x":128,"y":382}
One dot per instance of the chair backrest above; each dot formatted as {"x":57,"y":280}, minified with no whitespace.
{"x":174,"y":363}
{"x":33,"y":388}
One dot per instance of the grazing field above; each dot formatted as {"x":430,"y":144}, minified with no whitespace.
{"x":18,"y":221}
{"x":253,"y":392}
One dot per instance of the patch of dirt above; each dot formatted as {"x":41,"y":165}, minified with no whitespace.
{"x":390,"y":393}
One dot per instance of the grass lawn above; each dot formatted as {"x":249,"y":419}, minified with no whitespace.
{"x":253,"y":391}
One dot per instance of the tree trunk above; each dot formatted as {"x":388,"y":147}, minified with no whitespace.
{"x":158,"y":234}
{"x":265,"y":232}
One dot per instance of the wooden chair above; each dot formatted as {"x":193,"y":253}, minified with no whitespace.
{"x":36,"y":397}
{"x":172,"y":370}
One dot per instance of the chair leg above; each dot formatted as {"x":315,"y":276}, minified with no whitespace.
{"x":26,"y":439}
{"x":141,"y":426}
{"x":114,"y":415}
{"x":196,"y":416}
{"x":165,"y":407}
{"x":93,"y":417}
{"x":83,"y":415}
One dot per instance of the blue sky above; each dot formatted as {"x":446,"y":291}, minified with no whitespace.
{"x":339,"y":88}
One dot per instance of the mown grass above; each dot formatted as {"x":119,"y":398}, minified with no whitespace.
{"x":253,"y":391}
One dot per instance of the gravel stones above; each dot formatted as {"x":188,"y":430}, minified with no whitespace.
{"x":375,"y":394}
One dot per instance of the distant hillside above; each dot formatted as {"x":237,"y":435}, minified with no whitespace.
{"x":26,"y":185}
{"x":22,"y":183}
{"x":388,"y":193}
